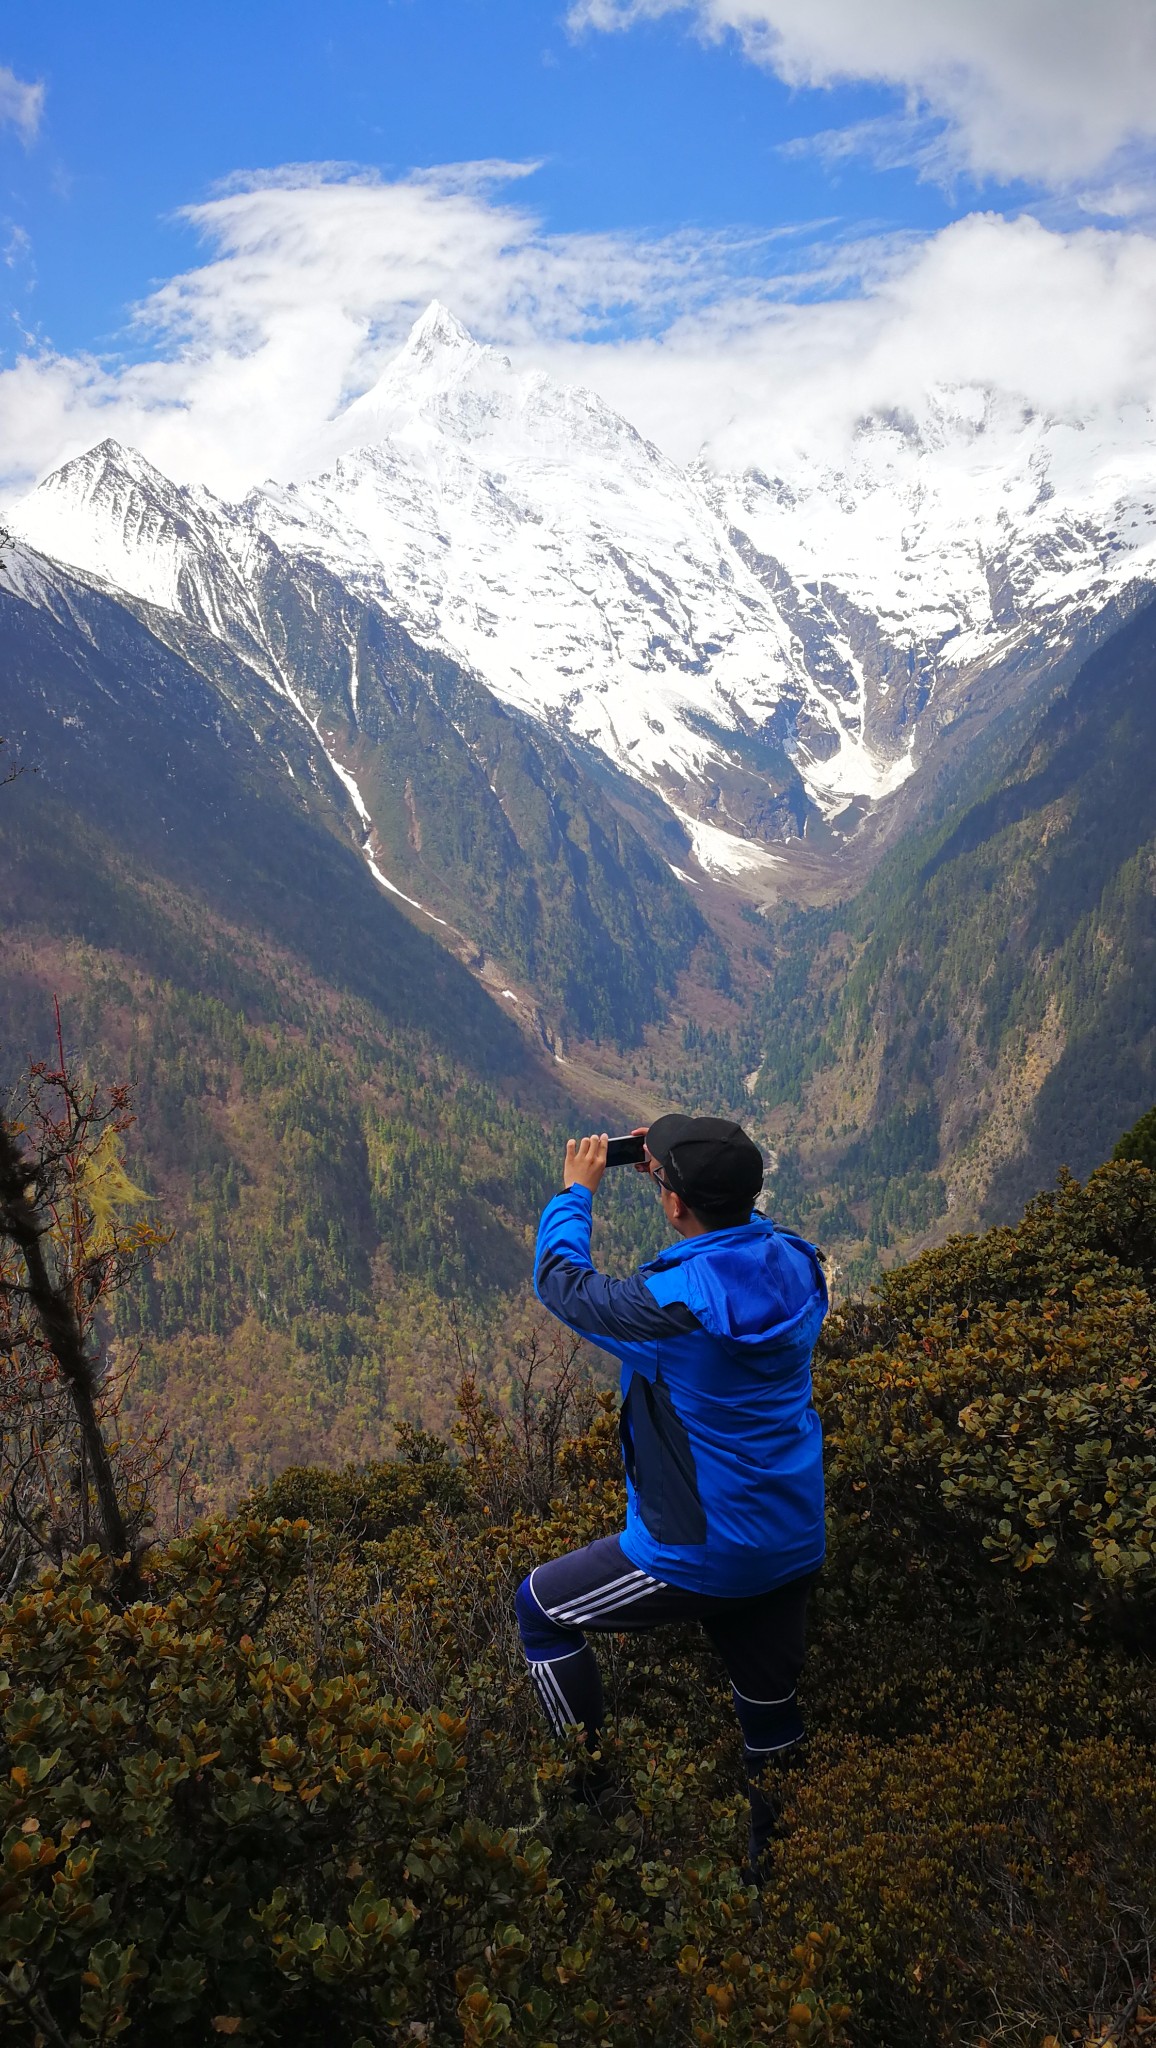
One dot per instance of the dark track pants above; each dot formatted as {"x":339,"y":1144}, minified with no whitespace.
{"x":598,"y":1591}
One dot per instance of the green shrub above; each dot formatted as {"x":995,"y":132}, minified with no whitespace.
{"x":365,"y":1503}
{"x":201,"y":1837}
{"x":996,"y":1403}
{"x":994,"y":1865}
{"x":979,"y":1817}
{"x":198,"y":1836}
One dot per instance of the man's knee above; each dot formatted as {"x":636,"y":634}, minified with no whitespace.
{"x":529,"y":1613}
{"x":541,"y":1637}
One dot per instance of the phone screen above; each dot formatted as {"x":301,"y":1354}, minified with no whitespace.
{"x":628,"y":1151}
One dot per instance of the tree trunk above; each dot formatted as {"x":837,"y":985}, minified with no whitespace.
{"x":57,"y":1318}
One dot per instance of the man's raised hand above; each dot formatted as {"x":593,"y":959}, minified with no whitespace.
{"x":585,"y":1162}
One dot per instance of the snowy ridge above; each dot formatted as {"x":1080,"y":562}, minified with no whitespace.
{"x":533,"y":534}
{"x":763,"y":650}
{"x":956,"y":528}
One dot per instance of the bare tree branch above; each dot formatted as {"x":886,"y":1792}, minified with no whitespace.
{"x":70,"y":1236}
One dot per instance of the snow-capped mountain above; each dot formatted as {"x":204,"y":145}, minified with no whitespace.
{"x":536,"y":536}
{"x":764,"y":651}
{"x":957,"y":534}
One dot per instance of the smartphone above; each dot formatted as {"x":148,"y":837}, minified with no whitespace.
{"x":628,"y":1151}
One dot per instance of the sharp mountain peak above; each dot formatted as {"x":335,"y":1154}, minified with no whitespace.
{"x":436,"y":329}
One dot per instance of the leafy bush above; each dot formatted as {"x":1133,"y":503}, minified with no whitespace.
{"x":991,"y":1866}
{"x":366,"y":1502}
{"x":202,"y":1837}
{"x":998,"y":1400}
{"x":196,"y":1829}
{"x":979,"y":1816}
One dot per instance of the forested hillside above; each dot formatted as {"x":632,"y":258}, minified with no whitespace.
{"x":351,"y":1207}
{"x":1016,"y":966}
{"x":984,"y":1010}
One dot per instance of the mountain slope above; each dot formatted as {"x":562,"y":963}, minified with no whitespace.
{"x":983,"y":1012}
{"x":536,"y":535}
{"x":482,"y":824}
{"x":135,"y":745}
{"x":997,"y":1018}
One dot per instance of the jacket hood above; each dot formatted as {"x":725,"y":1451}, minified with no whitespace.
{"x":751,"y":1286}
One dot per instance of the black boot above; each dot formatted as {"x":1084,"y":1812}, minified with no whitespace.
{"x":595,"y":1786}
{"x":765,"y":1785}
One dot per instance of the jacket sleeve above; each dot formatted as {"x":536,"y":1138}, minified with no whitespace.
{"x":617,"y":1315}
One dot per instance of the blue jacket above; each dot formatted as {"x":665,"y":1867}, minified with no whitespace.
{"x":722,"y":1447}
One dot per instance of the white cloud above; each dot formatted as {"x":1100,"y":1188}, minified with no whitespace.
{"x":18,"y":246}
{"x":1063,"y":322}
{"x":312,"y":279}
{"x":1047,"y":90}
{"x":21,"y":103}
{"x":887,"y":142}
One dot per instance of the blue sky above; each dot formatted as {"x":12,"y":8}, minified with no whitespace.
{"x":147,"y":108}
{"x":707,"y":171}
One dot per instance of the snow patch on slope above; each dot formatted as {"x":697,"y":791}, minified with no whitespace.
{"x":393,"y":889}
{"x":723,"y":853}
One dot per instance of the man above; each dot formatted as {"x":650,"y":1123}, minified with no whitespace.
{"x":722,"y":1446}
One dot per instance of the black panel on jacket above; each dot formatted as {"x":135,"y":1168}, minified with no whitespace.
{"x":661,"y":1465}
